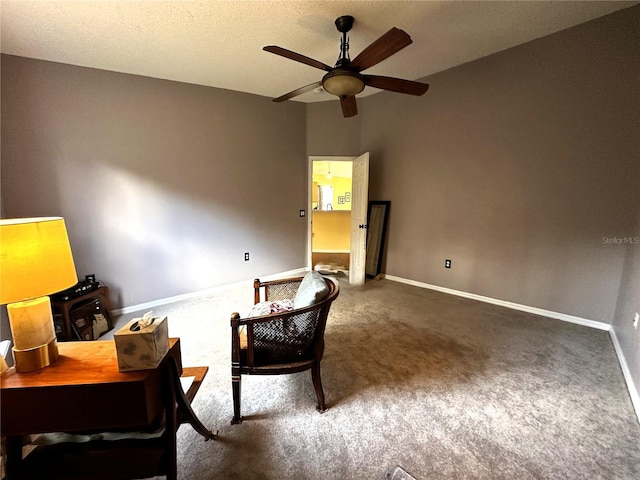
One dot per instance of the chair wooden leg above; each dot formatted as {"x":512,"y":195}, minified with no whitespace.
{"x":172,"y":460}
{"x":235,"y":384}
{"x":317,"y":384}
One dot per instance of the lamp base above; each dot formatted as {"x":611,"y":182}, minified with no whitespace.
{"x":37,"y":357}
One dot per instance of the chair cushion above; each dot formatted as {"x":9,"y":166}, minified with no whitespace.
{"x":269,"y":307}
{"x":264,"y":308}
{"x":312,"y":289}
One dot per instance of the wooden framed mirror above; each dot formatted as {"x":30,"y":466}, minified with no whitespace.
{"x":377,"y":217}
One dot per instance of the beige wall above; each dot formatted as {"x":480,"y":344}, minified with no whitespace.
{"x":329,"y":134}
{"x":163,"y":185}
{"x":515,"y":167}
{"x":628,"y":306}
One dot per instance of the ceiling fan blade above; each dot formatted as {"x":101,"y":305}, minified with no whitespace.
{"x":396,"y":84}
{"x":283,"y":52}
{"x":391,"y":42}
{"x":349,"y":106}
{"x":299,"y":91}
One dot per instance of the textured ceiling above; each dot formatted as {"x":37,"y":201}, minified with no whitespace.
{"x":219,"y":43}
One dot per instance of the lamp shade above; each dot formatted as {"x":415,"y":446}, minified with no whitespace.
{"x":35,"y":258}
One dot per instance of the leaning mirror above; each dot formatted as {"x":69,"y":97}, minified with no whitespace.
{"x":376,"y":230}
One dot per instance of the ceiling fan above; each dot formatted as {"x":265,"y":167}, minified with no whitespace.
{"x":344,"y":79}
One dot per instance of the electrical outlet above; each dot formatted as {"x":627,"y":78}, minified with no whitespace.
{"x":447,"y":263}
{"x":246,"y":256}
{"x":635,"y":320}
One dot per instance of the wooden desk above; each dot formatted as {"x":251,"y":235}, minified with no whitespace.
{"x":83,"y":390}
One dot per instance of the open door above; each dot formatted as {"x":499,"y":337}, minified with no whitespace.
{"x":359,"y":203}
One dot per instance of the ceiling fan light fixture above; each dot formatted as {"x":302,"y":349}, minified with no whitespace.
{"x":344,"y":79}
{"x":342,"y":83}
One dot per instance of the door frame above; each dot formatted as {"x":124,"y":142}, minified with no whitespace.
{"x":313,"y":158}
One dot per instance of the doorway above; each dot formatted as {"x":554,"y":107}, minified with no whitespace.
{"x":338,"y":189}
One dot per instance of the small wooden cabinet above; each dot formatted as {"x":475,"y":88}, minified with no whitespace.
{"x":75,"y":319}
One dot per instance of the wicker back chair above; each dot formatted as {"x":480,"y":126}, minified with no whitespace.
{"x":280,"y":343}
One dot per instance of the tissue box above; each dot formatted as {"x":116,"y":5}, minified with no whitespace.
{"x":142,"y":349}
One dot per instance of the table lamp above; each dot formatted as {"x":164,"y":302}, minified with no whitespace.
{"x":35,"y":261}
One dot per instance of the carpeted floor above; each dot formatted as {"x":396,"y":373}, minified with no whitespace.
{"x":445,"y":387}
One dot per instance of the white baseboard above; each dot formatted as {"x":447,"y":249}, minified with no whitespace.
{"x":202,"y":293}
{"x":631,"y":387}
{"x":515,"y":306}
